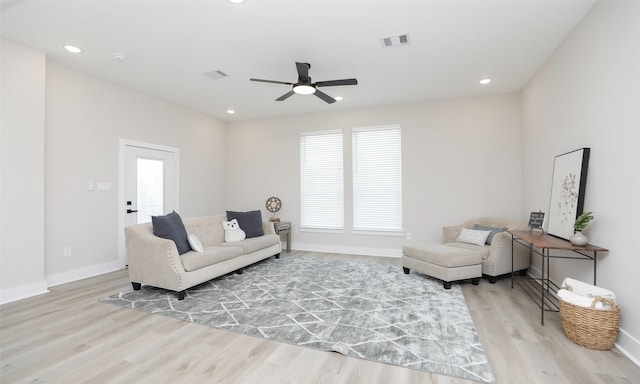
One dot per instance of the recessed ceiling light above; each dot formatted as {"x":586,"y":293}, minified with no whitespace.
{"x":231,"y":111}
{"x":237,"y":1}
{"x":338,"y":98}
{"x":485,"y":81}
{"x":72,"y":49}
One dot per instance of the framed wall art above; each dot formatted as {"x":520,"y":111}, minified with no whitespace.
{"x":567,"y":191}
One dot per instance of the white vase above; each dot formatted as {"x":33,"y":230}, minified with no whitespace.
{"x":578,"y":238}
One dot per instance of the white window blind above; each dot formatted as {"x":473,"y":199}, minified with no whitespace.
{"x":321,"y":180}
{"x":377,"y":179}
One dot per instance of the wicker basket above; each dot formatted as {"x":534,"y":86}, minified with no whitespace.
{"x":590,"y":327}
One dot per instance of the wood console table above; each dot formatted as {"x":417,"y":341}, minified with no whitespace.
{"x":543,"y":244}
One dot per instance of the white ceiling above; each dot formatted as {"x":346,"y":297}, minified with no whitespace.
{"x":169,"y":45}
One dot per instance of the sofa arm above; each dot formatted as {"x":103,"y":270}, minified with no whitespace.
{"x":499,"y":260}
{"x":153,"y":260}
{"x":267,"y":227}
{"x":450,"y":234}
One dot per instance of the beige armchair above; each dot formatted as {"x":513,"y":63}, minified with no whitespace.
{"x":496,"y":258}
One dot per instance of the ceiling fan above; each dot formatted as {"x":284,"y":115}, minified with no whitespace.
{"x":304,"y":86}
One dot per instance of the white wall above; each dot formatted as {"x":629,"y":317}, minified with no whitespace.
{"x":22,"y":261}
{"x":461,"y":159}
{"x":588,"y":95}
{"x":85,"y":118}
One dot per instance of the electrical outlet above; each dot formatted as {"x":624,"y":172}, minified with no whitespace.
{"x":67,"y":251}
{"x":409,"y":235}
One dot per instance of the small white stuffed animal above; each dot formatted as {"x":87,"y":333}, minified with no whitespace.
{"x":232,"y":231}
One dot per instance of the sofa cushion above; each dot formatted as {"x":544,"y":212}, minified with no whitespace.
{"x":208,"y":228}
{"x":254,"y":244}
{"x":170,"y":227}
{"x":472,"y":236}
{"x":482,"y":249}
{"x":442,"y":255}
{"x":192,"y":261}
{"x":250,"y":222}
{"x":493,"y":230}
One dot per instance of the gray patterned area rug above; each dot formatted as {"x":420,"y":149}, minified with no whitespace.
{"x":369,"y":311}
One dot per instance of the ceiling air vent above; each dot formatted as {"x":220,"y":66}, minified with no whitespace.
{"x":218,"y":74}
{"x":395,"y":41}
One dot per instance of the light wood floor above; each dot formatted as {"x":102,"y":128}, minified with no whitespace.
{"x":67,"y":336}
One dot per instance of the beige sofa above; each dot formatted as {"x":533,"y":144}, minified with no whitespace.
{"x":155,"y":261}
{"x":496,"y":258}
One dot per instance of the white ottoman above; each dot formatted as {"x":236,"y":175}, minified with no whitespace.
{"x":443,"y":262}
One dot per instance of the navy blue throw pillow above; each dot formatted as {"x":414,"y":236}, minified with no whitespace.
{"x":171,"y":227}
{"x":250,"y":222}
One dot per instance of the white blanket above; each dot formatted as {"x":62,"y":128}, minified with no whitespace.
{"x":583,"y":294}
{"x":584,"y":289}
{"x":581,"y":301}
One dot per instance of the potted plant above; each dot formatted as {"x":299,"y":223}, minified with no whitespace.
{"x":581,"y":223}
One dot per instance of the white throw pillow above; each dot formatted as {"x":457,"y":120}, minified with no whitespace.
{"x":232,"y":231}
{"x":195,"y":243}
{"x":472,"y":236}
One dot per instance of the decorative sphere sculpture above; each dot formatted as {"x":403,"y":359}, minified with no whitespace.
{"x":273,"y":205}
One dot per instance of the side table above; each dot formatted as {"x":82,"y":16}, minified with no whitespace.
{"x":550,"y":247}
{"x":284,"y":227}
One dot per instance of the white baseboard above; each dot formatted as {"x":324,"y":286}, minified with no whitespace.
{"x":23,"y":291}
{"x":381,"y":252}
{"x":629,"y":346}
{"x":83,"y":273}
{"x":534,"y":272}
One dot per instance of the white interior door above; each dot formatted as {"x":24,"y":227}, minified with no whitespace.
{"x":149,"y":175}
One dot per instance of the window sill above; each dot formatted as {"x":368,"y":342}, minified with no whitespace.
{"x":321,"y":230}
{"x":369,"y":232}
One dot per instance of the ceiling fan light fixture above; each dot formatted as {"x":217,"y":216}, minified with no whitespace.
{"x":304,"y":89}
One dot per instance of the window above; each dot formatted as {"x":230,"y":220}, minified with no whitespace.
{"x":377,"y":179}
{"x":321,"y":175}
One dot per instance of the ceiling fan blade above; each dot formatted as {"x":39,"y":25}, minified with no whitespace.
{"x":324,"y":96}
{"x":271,"y":81}
{"x":285,"y":96}
{"x":303,"y":70}
{"x":330,"y":83}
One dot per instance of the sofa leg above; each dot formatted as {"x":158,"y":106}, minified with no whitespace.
{"x":136,"y":286}
{"x":446,"y":284}
{"x":181,"y":295}
{"x":475,"y":281}
{"x":277,"y":256}
{"x":492,"y":279}
{"x":406,"y":270}
{"x":239,"y":271}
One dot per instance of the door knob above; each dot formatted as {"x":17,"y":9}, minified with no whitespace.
{"x":132,"y":210}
